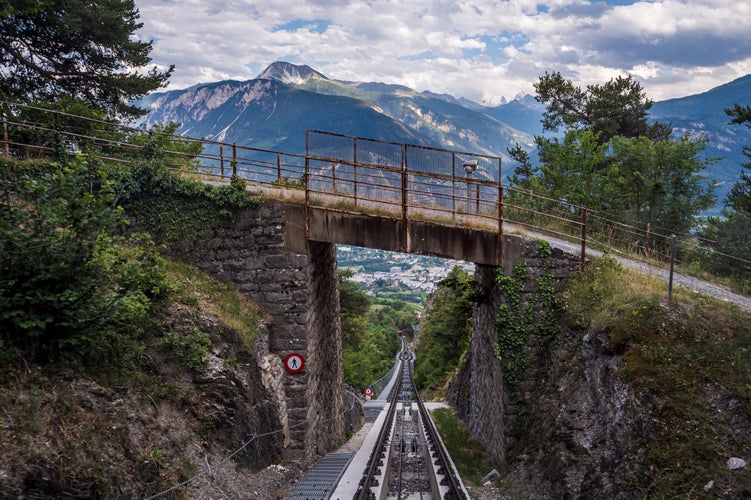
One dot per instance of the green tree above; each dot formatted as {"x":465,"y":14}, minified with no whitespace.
{"x":446,"y":328}
{"x":79,"y":48}
{"x":524,"y":172}
{"x":729,"y":236}
{"x":612,"y":160}
{"x":353,"y":304}
{"x":617,"y":107}
{"x":661,"y":182}
{"x":575,"y":168}
{"x":680,"y":191}
{"x":739,"y":198}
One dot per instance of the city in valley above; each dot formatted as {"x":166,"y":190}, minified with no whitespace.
{"x":383,"y":273}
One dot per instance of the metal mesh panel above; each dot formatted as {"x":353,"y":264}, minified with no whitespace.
{"x":485,"y":168}
{"x":428,"y":160}
{"x":331,"y":146}
{"x":380,"y":153}
{"x":372,"y":174}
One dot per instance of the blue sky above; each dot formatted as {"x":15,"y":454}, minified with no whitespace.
{"x":482,"y":50}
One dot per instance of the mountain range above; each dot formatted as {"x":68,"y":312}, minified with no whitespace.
{"x":274,"y":110}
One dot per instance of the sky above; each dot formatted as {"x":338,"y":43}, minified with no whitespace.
{"x":480,"y":50}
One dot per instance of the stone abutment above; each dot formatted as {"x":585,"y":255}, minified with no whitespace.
{"x":479,"y":392}
{"x":299,"y":290}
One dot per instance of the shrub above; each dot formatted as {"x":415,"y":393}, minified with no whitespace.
{"x":68,"y":282}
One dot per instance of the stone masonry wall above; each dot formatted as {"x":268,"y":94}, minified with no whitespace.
{"x":325,"y":380}
{"x":300,"y":293}
{"x":478,"y":392}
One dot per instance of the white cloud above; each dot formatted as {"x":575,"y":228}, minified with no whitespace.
{"x":674,"y":47}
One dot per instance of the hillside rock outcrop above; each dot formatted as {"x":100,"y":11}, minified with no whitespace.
{"x":572,"y":426}
{"x":72,"y":434}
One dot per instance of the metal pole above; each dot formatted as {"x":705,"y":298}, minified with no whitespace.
{"x":221,"y":159}
{"x":469,"y":195}
{"x":500,"y":224}
{"x":405,"y":229}
{"x":672,"y":262}
{"x":234,"y":160}
{"x":5,"y":136}
{"x":453,"y":186}
{"x":354,"y":173}
{"x":279,"y":168}
{"x":307,"y":187}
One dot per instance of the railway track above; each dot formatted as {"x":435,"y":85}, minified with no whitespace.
{"x":409,"y":460}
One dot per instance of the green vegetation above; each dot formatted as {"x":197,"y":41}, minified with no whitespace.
{"x":728,"y":238}
{"x":192,"y":287}
{"x":610,"y":159}
{"x":691,"y":360}
{"x":69,"y":279}
{"x":74,"y":277}
{"x":518,"y":320}
{"x":396,"y":294}
{"x":446,"y":329}
{"x":618,"y":107}
{"x":370,"y":329}
{"x":468,"y":454}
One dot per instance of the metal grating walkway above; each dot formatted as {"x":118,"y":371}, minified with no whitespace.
{"x":321,"y":479}
{"x":371,"y":414}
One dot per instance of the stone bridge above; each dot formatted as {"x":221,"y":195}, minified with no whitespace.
{"x":268,"y":255}
{"x":373,"y":194}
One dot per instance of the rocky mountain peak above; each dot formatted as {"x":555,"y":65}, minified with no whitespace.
{"x":290,"y":73}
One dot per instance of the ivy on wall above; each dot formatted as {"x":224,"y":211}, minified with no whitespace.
{"x":174,"y":208}
{"x":518,"y":319}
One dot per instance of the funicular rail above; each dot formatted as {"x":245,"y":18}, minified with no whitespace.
{"x":428,"y":457}
{"x":456,"y":491}
{"x":378,"y":455}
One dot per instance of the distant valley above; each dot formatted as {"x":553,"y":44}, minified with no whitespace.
{"x":396,"y":275}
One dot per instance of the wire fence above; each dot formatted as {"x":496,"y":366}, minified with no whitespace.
{"x":229,"y":457}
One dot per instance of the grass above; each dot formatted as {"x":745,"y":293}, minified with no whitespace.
{"x":692,"y":359}
{"x":468,"y":454}
{"x":194,"y":287}
{"x":110,"y":432}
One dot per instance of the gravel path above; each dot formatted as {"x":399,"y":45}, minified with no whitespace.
{"x":695,"y":284}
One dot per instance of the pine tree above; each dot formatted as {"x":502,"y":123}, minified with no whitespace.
{"x":78,"y":48}
{"x":729,"y":236}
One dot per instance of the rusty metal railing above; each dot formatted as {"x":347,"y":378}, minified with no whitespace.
{"x":336,"y":172}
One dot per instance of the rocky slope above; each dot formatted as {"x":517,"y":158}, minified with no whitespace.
{"x":637,"y":399}
{"x":80,"y":433}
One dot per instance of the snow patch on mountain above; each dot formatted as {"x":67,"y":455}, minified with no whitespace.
{"x":291,"y":74}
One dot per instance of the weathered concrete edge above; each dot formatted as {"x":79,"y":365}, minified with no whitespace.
{"x":385,"y":233}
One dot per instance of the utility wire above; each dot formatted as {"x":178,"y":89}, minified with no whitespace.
{"x":234,"y":453}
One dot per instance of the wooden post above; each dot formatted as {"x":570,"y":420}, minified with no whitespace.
{"x":584,"y":238}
